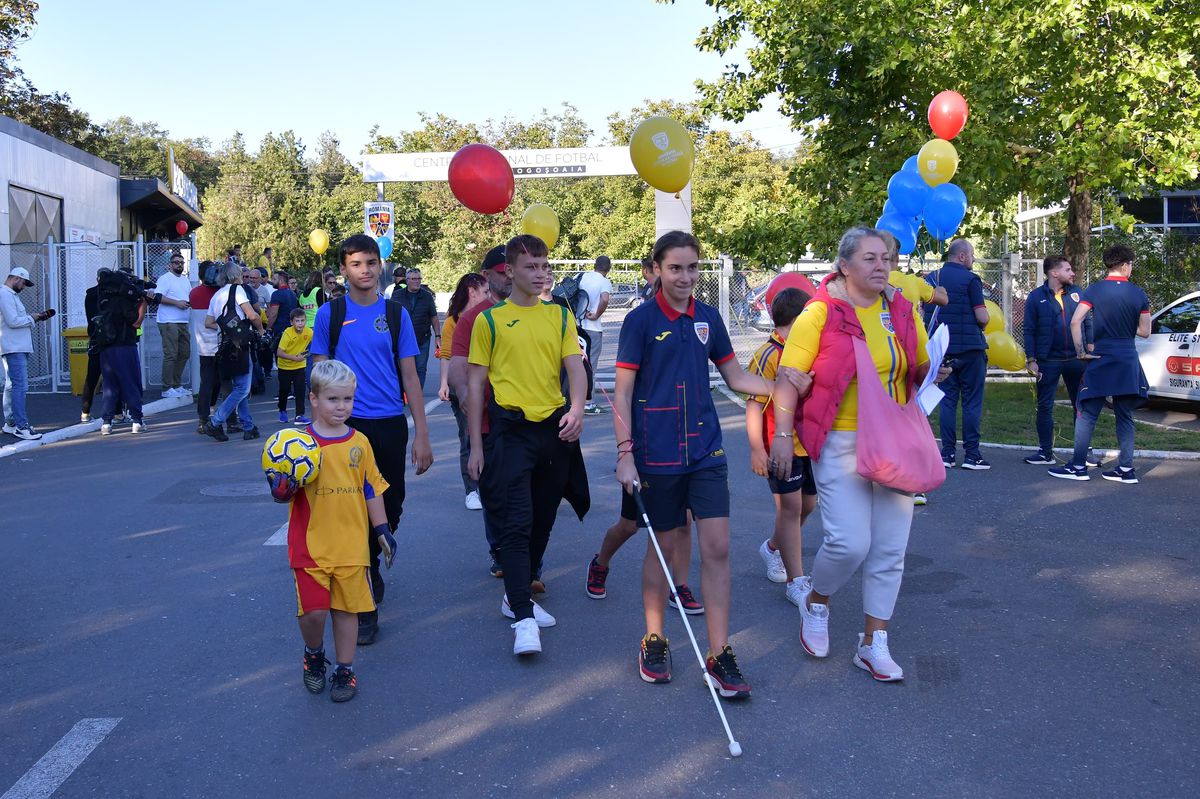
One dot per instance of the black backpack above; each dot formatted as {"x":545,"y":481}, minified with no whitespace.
{"x":577,"y":298}
{"x":393,"y":311}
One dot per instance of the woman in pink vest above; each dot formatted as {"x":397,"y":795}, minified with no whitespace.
{"x":866,"y":524}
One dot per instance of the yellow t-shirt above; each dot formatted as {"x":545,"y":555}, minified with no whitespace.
{"x":293,"y":343}
{"x":800,"y":352}
{"x":926,"y":288}
{"x":523,"y":348}
{"x":765,"y":362}
{"x":447,"y":337}
{"x":328,"y":522}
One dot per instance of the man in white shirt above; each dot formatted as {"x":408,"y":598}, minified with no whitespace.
{"x":16,"y":345}
{"x":599,"y":289}
{"x":173,"y":307}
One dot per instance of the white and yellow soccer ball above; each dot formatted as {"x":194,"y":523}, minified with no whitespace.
{"x":293,"y":453}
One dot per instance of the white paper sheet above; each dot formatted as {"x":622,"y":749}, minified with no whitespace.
{"x":929,"y":395}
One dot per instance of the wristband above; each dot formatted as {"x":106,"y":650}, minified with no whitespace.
{"x":783,"y":435}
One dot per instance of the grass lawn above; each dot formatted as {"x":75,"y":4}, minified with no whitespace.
{"x":1010,"y":416}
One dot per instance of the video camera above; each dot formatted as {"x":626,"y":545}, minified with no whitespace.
{"x":122,"y":286}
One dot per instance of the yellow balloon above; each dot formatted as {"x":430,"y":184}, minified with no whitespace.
{"x":662,"y":153}
{"x":937,"y":162}
{"x":319,"y":241}
{"x":541,"y":221}
{"x":1004,"y":352}
{"x":995,"y":318}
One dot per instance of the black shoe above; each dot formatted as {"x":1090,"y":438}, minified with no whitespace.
{"x":1069,"y":472}
{"x":976,"y":464}
{"x":314,"y":671}
{"x":368,"y":627}
{"x":233,"y":427}
{"x":343,"y":686}
{"x":1091,"y":461}
{"x":597,"y":575}
{"x":654,"y":659}
{"x":250,"y":434}
{"x":216,"y":432}
{"x":201,"y":427}
{"x":948,"y":460}
{"x":496,"y":569}
{"x":691,"y":605}
{"x":1040,"y":458}
{"x":1121,"y":475}
{"x":727,"y":677}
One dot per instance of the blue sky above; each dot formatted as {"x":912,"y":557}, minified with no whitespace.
{"x":212,"y":67}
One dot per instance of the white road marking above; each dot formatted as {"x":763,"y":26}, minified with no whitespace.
{"x":429,"y":406}
{"x":277,"y":539}
{"x":63,"y":758}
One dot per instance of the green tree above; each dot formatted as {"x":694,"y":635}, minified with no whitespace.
{"x":1068,"y":98}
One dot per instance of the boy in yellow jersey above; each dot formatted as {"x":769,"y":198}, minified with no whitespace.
{"x":519,"y":346}
{"x":326,"y":548}
{"x":292,"y":355}
{"x":796,"y":496}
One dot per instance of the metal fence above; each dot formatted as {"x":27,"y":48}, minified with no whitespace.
{"x":40,"y":297}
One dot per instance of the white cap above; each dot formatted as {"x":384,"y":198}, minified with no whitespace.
{"x":21,"y":272}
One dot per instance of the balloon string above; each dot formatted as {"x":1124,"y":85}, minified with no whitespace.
{"x":684,"y":204}
{"x":613,"y":408}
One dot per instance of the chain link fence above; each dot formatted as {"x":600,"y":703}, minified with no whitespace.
{"x":34,"y":258}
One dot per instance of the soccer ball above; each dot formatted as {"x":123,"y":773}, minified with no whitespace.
{"x":293,"y":453}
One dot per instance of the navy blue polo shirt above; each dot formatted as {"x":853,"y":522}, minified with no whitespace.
{"x":1117,"y":306}
{"x":675,"y":428}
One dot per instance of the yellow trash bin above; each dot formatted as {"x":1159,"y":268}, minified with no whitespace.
{"x":77,"y":349}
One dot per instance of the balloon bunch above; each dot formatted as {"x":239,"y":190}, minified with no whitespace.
{"x":921,"y":192}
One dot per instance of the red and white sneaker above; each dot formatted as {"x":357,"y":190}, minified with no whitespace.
{"x":877,"y":659}
{"x":691,"y":605}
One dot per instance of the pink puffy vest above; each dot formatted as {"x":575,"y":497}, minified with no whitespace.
{"x":834,"y":367}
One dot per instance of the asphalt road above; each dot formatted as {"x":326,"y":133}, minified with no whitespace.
{"x":1048,"y":630}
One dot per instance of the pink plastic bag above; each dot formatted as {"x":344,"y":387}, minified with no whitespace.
{"x":895,"y":443}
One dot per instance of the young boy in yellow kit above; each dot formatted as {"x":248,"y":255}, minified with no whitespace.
{"x":326,"y":546}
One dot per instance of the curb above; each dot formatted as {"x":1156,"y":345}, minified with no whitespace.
{"x":83,"y":428}
{"x":1104,"y":453}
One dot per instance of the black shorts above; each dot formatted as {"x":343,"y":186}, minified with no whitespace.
{"x":668,"y":498}
{"x":801,"y":479}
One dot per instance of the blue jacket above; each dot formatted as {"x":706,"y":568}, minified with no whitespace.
{"x":965,"y":290}
{"x":1048,"y":325}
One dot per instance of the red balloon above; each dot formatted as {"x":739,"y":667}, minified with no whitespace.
{"x":181,"y":227}
{"x":947,"y":114}
{"x":482,"y":179}
{"x":789,"y":280}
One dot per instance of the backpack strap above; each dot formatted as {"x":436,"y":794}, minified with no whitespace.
{"x":337,"y":318}
{"x":564,"y":322}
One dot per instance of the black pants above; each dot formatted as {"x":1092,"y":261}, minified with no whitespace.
{"x":291,"y":382}
{"x":523,"y":463}
{"x":389,"y":442}
{"x":210,"y":386}
{"x":122,"y":372}
{"x":91,"y":382}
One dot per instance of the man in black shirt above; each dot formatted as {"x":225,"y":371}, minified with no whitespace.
{"x":114,"y":321}
{"x":422,"y":309}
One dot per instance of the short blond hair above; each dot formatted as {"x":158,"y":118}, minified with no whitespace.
{"x":327,"y":374}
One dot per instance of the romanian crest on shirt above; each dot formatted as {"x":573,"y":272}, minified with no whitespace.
{"x":701,"y":329}
{"x":381,"y":323}
{"x":1074,"y":296}
{"x":885,"y":319}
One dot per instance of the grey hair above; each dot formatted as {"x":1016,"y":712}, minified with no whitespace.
{"x":229,"y":273}
{"x":412,"y":270}
{"x":852,"y":239}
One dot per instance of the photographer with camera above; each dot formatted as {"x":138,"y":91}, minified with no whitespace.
{"x":231,"y":312}
{"x":113,"y":330}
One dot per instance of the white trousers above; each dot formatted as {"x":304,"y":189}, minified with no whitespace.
{"x":865,"y":524}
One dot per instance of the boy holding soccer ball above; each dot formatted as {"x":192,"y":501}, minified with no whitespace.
{"x":326,"y":548}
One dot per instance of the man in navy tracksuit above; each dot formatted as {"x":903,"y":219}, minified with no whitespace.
{"x":1049,"y":349}
{"x":966,"y":316}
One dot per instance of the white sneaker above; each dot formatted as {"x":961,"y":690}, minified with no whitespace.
{"x":10,"y":429}
{"x":542,"y":618}
{"x":83,"y":417}
{"x":139,"y":427}
{"x":473,"y":502}
{"x":106,"y":429}
{"x":776,"y":573}
{"x":526,"y":640}
{"x":814,"y":625}
{"x":877,"y":659}
{"x":796,"y":589}
{"x":29,"y":434}
{"x":168,"y":393}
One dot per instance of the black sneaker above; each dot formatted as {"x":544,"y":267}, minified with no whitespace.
{"x":691,"y":605}
{"x":368,"y":627}
{"x":1091,"y":461}
{"x":233,"y":427}
{"x":727,"y":677}
{"x":948,"y":461}
{"x":343,"y":685}
{"x":250,"y":433}
{"x":314,"y":671}
{"x":1041,"y":459}
{"x":496,"y":569}
{"x":976,"y":464}
{"x":201,"y":428}
{"x":1121,"y":475}
{"x":216,"y":432}
{"x":654,"y":659}
{"x":1069,"y":471}
{"x":596,"y":577}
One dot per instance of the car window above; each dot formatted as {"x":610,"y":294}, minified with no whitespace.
{"x":1182,"y":318}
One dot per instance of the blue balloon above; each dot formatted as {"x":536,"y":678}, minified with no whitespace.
{"x":944,"y":211}
{"x":899,"y":227}
{"x":890,"y":208}
{"x":908,"y":193}
{"x":385,"y":246}
{"x":910,"y":165}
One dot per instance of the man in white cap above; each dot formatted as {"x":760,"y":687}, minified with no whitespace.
{"x":16,"y":345}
